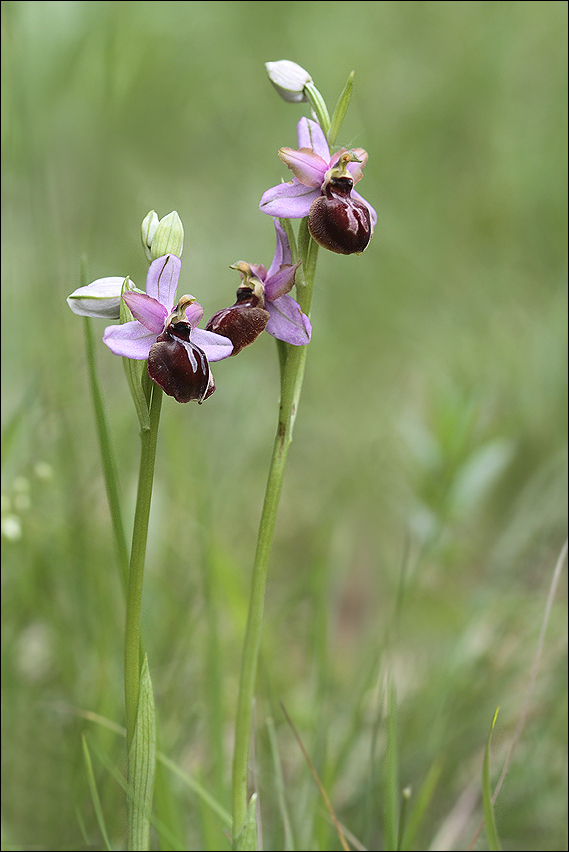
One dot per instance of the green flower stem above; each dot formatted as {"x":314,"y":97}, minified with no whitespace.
{"x":165,"y":803}
{"x":318,"y":104}
{"x":136,"y":573}
{"x":132,"y":576}
{"x":292,"y":375}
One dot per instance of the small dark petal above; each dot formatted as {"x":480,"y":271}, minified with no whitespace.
{"x":242,"y":323}
{"x":183,"y":375}
{"x":339,"y":222}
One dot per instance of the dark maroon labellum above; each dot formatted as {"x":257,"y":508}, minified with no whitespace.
{"x":181,"y":371}
{"x":339,"y":222}
{"x":243,"y":322}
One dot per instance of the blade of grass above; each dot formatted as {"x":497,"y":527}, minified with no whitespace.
{"x":162,"y":829}
{"x":391,"y":774}
{"x":166,"y":808}
{"x":489,"y":818}
{"x":107,"y":454}
{"x":288,"y":845}
{"x":420,"y":806}
{"x":319,"y":783}
{"x":95,"y":794}
{"x":405,"y":799}
{"x":533,"y":675}
{"x":197,"y":788}
{"x":80,"y":822}
{"x":534,"y":670}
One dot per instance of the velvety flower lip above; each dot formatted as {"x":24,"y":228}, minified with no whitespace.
{"x":151,"y":311}
{"x":287,"y":321}
{"x":310,"y":165}
{"x":175,"y":363}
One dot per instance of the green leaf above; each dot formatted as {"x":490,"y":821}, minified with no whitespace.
{"x":141,"y":765}
{"x":489,"y":820}
{"x":95,"y":794}
{"x":341,"y":109}
{"x":246,"y":840}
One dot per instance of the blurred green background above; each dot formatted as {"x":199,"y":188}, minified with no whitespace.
{"x":424,"y":505}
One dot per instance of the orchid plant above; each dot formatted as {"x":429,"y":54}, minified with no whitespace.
{"x":164,"y":350}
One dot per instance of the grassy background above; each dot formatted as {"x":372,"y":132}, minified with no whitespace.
{"x":424,"y":506}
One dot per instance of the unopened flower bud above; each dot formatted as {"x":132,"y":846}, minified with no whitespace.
{"x":244,"y":321}
{"x":101,"y":298}
{"x":162,"y":236}
{"x":148,"y":229}
{"x":337,"y":221}
{"x":289,"y":79}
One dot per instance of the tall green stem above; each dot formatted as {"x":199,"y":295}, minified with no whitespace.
{"x":292,"y":375}
{"x":137,"y":558}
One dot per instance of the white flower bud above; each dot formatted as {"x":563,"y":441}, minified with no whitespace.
{"x":289,"y":79}
{"x":101,"y":298}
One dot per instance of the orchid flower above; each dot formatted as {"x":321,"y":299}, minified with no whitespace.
{"x":177,"y":351}
{"x":322,"y":189}
{"x":263,"y":302}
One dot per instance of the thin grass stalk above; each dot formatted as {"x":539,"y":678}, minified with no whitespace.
{"x":107,"y":455}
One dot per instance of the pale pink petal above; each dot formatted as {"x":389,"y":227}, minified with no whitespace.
{"x":355,"y":169}
{"x":162,"y":280}
{"x":258,"y":270}
{"x":131,"y":340}
{"x":281,"y":282}
{"x":283,"y":254}
{"x":287,"y":322}
{"x":288,"y":200}
{"x":215,"y":346}
{"x":311,"y":135}
{"x":307,"y":166}
{"x":194,"y":313}
{"x":147,"y":311}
